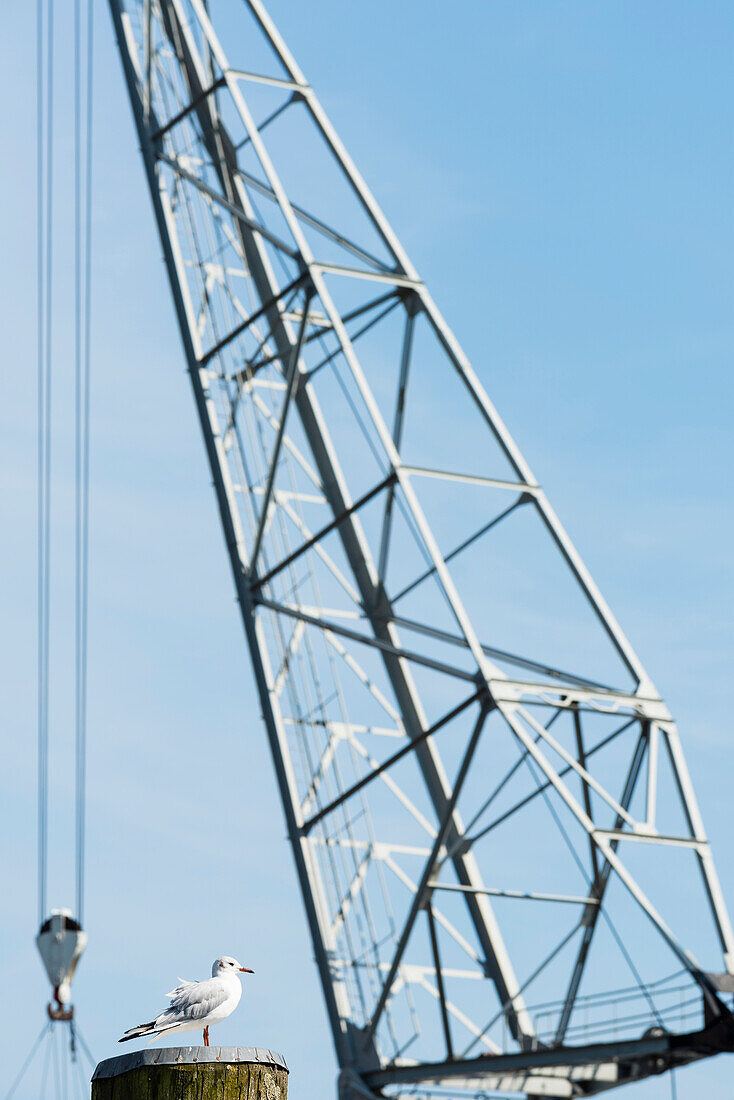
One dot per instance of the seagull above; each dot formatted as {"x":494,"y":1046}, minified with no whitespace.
{"x":197,"y":1005}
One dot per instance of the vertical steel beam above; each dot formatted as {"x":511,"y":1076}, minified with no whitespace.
{"x":397,"y":434}
{"x":587,"y":793}
{"x":439,"y":981}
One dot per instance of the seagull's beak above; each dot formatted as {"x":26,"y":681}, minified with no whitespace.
{"x":246,"y":970}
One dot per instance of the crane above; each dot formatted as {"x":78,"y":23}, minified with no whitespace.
{"x":502,"y":862}
{"x":61,"y":938}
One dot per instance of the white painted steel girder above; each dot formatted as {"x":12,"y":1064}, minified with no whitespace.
{"x":371,"y":705}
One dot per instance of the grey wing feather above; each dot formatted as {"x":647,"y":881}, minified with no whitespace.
{"x":194,"y":1001}
{"x":182,"y":983}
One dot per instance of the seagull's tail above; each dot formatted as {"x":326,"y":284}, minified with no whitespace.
{"x":138,"y":1032}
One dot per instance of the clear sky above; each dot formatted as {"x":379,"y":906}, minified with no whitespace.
{"x":561,"y":175}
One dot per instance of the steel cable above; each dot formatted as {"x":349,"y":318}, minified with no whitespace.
{"x":64,"y":1082}
{"x":83,"y":1044}
{"x":82,"y":264}
{"x":56,"y":1065}
{"x":39,"y":475}
{"x":78,"y":419}
{"x":32,"y":1053}
{"x":46,"y":1062}
{"x":83,"y":290}
{"x":44,"y":229}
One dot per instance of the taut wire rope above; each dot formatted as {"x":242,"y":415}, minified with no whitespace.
{"x":83,"y":292}
{"x":53,"y":1053}
{"x":53,"y":1059}
{"x":44,"y":228}
{"x":83,"y":156}
{"x":31,"y":1054}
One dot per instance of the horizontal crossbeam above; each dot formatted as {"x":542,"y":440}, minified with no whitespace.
{"x":511,"y":658}
{"x":518,"y":895}
{"x":260,"y":78}
{"x":472,"y":479}
{"x":376,"y":643}
{"x":675,"y":1049}
{"x":394,"y":278}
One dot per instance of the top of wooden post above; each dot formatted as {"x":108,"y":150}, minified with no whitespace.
{"x":178,"y":1056}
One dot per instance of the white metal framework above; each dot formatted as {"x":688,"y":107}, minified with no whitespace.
{"x":491,"y":817}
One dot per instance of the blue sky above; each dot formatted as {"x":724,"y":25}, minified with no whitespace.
{"x":561,"y":175}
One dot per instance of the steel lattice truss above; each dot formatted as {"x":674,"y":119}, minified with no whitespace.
{"x":489,"y":808}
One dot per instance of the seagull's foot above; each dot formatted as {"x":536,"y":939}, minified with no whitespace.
{"x":206,"y":1036}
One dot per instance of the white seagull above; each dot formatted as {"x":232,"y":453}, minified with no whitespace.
{"x":197,"y":1005}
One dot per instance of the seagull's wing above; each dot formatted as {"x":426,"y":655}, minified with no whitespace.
{"x":183,"y":982}
{"x":194,"y":1001}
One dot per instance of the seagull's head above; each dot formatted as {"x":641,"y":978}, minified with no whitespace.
{"x":225,"y":964}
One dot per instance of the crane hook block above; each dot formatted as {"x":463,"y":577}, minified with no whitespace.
{"x":60,"y":942}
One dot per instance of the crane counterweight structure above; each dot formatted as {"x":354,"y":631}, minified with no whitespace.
{"x":504,"y":869}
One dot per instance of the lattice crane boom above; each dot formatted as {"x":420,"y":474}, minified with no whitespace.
{"x":458,"y":724}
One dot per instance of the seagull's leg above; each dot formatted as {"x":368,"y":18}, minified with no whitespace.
{"x":206,"y":1036}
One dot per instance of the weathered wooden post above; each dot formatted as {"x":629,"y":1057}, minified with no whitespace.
{"x":193,"y":1073}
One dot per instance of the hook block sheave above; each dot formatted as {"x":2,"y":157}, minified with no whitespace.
{"x":61,"y":942}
